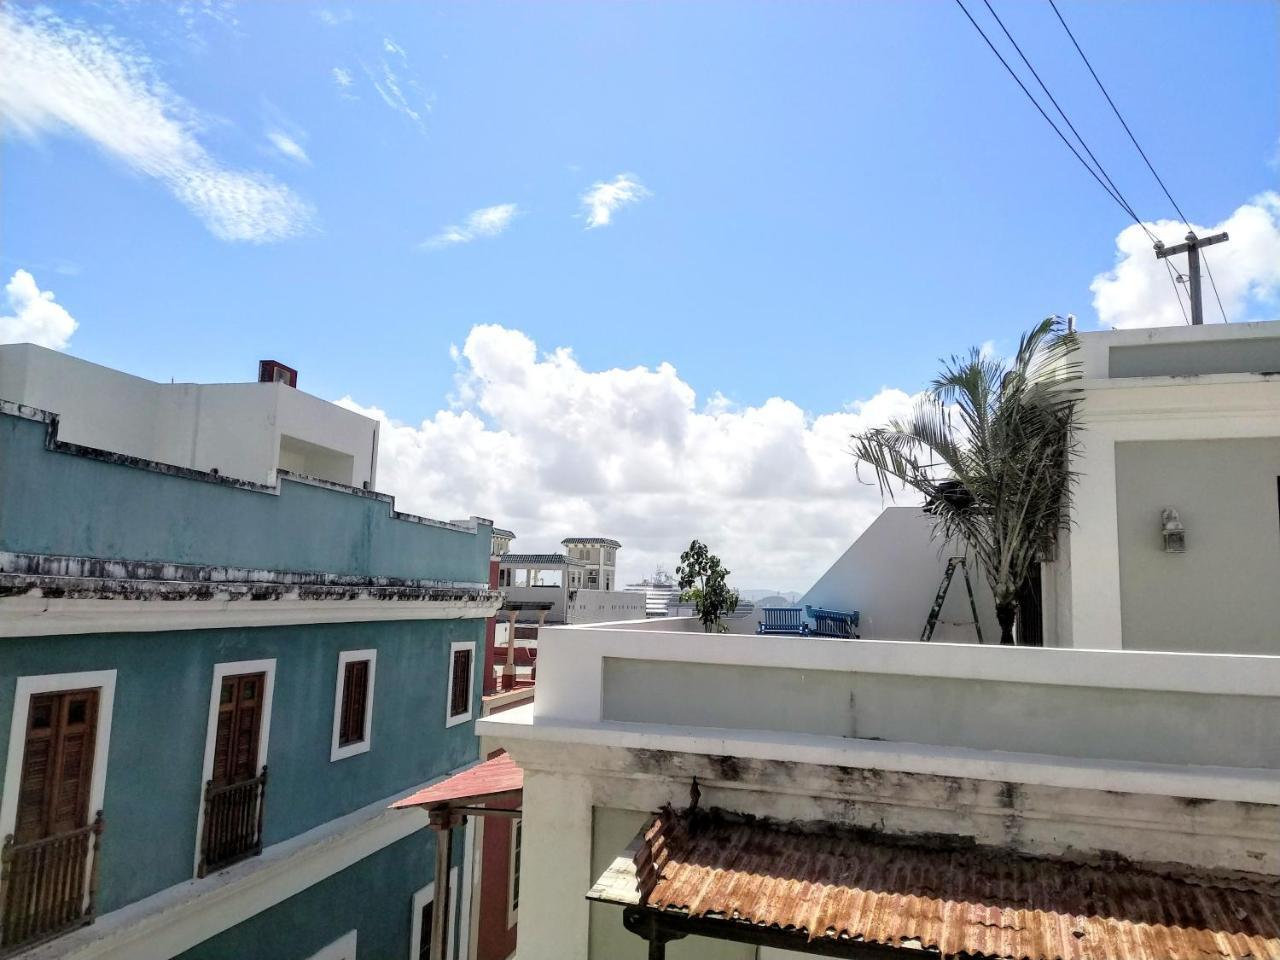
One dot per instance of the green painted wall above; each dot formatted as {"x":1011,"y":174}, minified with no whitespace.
{"x":373,"y":897}
{"x":161,"y":715}
{"x":60,"y":503}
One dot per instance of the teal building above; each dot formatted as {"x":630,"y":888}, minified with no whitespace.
{"x":211,"y":690}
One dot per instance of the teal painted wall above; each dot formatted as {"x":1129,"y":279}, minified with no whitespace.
{"x":373,"y":897}
{"x":59,"y":503}
{"x":161,"y":714}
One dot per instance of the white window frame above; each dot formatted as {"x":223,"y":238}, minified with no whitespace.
{"x":344,"y":948}
{"x":336,"y":750}
{"x":420,"y":900}
{"x":102,"y":680}
{"x":471,"y":684}
{"x":517,"y":831}
{"x":221,"y":670}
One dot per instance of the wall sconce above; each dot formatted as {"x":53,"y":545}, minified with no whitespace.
{"x":1174,"y":533}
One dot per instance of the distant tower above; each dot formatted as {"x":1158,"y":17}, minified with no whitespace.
{"x":600,"y":556}
{"x":501,"y":542}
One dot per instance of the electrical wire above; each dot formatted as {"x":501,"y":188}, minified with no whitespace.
{"x":1049,"y":120}
{"x":1213,"y":283}
{"x":1116,"y":110}
{"x":1176,"y":290}
{"x":1067,"y":120}
{"x":1147,"y":160}
{"x":1114,"y":194}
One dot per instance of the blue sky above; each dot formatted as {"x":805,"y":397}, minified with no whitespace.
{"x":824,"y":197}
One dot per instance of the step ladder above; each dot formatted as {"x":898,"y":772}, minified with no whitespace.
{"x":936,"y":610}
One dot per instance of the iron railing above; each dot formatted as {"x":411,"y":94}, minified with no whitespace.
{"x":48,"y":886}
{"x":232,"y":822}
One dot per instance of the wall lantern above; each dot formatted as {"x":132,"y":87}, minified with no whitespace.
{"x":1174,"y":533}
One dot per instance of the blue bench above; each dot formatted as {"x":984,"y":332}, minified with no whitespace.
{"x":788,"y":620}
{"x":833,"y":623}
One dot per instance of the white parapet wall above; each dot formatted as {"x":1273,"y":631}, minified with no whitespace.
{"x":1136,"y":715}
{"x":242,"y":430}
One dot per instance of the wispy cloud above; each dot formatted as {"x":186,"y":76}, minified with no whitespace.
{"x":605,"y":197}
{"x":35,"y":317}
{"x":397,"y":84}
{"x":486,"y":222}
{"x":343,"y":80}
{"x":334,"y":18}
{"x":388,"y":87}
{"x":64,"y":78}
{"x":287,"y":146}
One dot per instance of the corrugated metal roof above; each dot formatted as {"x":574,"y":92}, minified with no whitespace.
{"x":605,"y":541}
{"x":545,"y":559}
{"x":475,"y":784}
{"x":823,"y":881}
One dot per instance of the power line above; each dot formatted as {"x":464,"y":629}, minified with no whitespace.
{"x":1214,"y":283}
{"x":1049,"y":120}
{"x":1115,"y":191}
{"x":1116,"y":110}
{"x":1177,"y":291}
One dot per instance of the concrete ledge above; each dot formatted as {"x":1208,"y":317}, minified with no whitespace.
{"x":1195,"y":782}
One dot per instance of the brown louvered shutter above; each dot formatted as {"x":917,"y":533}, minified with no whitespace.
{"x":355,"y":700}
{"x":235,"y":748}
{"x":57,"y":764}
{"x":460,"y":688}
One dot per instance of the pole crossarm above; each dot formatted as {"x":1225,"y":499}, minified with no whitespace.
{"x":1191,"y":247}
{"x":1191,"y":242}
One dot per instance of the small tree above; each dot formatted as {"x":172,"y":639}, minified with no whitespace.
{"x":989,"y":447}
{"x":704,"y":583}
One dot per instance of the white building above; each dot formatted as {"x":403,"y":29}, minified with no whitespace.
{"x":577,"y":583}
{"x":243,"y":430}
{"x":1116,"y":797}
{"x":599,"y":559}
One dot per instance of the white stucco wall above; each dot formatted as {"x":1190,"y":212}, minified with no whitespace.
{"x":890,"y":575}
{"x":240,"y":429}
{"x":1221,"y":593}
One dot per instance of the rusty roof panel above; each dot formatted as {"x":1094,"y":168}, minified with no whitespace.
{"x":826,"y":882}
{"x":476,"y":784}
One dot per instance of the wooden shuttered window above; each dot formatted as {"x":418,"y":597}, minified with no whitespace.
{"x":460,"y":683}
{"x":355,"y":702}
{"x":57,"y":764}
{"x":235,"y":751}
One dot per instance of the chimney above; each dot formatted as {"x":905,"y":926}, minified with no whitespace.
{"x":273,"y":371}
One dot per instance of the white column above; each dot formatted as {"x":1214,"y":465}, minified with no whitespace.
{"x":1095,"y":545}
{"x":555,"y":867}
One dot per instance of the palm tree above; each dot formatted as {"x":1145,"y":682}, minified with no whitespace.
{"x":989,"y":447}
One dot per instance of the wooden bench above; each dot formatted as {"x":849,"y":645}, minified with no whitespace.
{"x":833,"y":623}
{"x":785,"y":620}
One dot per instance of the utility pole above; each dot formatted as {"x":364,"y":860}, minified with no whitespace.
{"x":1192,"y":249}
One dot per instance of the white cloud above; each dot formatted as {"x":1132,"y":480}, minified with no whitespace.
{"x":391,"y":88}
{"x":1137,"y":291}
{"x":63,"y":78}
{"x":550,"y":449}
{"x":605,"y":197}
{"x":287,"y":146}
{"x":35,"y":317}
{"x":342,"y":77}
{"x":485,"y":222}
{"x":334,"y":18}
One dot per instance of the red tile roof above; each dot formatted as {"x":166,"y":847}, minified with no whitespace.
{"x":476,"y":784}
{"x":825,"y":882}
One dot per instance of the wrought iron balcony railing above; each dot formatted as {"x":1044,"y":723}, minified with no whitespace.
{"x":48,"y":886}
{"x":232,"y":822}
